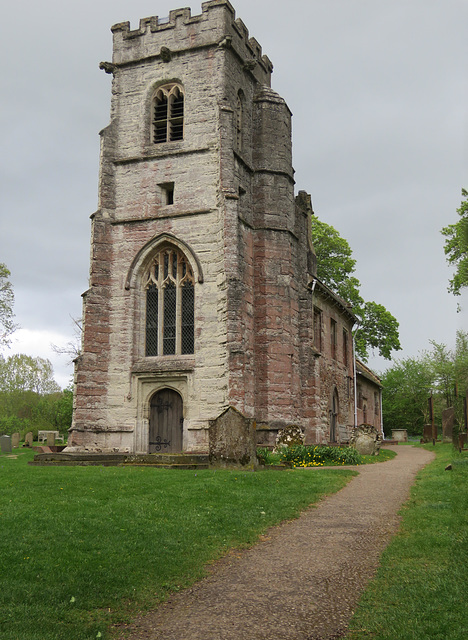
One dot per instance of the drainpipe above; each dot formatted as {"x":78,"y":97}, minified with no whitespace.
{"x":355,"y":375}
{"x":313,"y":287}
{"x":381,"y":416}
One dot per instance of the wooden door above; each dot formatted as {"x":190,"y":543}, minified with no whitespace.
{"x":166,"y":422}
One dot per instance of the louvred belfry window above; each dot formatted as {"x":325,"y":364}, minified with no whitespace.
{"x":168,"y":114}
{"x":170,"y":300}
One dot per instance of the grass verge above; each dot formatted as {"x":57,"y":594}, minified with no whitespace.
{"x":82,"y":548}
{"x":419,"y":591}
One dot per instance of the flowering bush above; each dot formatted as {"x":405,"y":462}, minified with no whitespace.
{"x":319,"y":456}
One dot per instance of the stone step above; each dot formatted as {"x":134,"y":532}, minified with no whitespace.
{"x":176,"y":461}
{"x":166,"y":458}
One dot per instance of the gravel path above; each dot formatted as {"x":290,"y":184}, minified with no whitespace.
{"x":302,"y":580}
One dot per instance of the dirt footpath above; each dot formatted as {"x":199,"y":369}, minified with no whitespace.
{"x":303,"y":579}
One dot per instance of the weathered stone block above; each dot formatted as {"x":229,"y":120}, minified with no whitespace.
{"x":427,"y":433}
{"x":232,"y":440}
{"x":366,"y":439}
{"x":5,"y":444}
{"x":289,"y":436}
{"x":15,"y":440}
{"x":401,"y":435}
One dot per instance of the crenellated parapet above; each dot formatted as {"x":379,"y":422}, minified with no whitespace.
{"x":181,"y":31}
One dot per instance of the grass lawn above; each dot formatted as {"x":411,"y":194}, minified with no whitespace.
{"x":84,"y":547}
{"x":420,"y":590}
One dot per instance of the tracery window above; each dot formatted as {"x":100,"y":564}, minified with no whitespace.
{"x":168,"y":114}
{"x":170,"y":300}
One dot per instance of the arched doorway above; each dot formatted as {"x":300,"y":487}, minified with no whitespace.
{"x":334,"y":416}
{"x":166,"y":422}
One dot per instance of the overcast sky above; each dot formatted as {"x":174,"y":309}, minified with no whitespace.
{"x":379,"y":95}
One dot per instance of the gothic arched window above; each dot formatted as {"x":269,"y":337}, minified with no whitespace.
{"x":170,"y":300}
{"x":168,"y":114}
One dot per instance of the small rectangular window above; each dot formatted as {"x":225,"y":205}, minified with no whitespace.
{"x":345,"y":348}
{"x":359,"y":397}
{"x":318,"y":329}
{"x":333,"y":337}
{"x":167,"y":193}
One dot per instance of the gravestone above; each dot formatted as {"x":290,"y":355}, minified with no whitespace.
{"x":51,"y":439}
{"x":427,"y":433}
{"x":15,"y":440}
{"x":5,"y":444}
{"x":366,"y":440}
{"x":448,"y":422}
{"x":290,"y":436}
{"x":461,"y":441}
{"x":28,"y":439}
{"x":400,"y":435}
{"x":232,"y":440}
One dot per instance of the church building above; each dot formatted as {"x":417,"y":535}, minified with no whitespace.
{"x":203,"y":292}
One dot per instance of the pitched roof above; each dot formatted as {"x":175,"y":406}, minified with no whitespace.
{"x":365,"y":372}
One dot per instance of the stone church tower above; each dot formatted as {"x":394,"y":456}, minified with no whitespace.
{"x":201,"y":292}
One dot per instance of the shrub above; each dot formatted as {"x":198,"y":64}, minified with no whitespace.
{"x":318,"y":456}
{"x":265,"y":456}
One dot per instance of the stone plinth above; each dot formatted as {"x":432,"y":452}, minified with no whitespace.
{"x":232,"y":440}
{"x":401,"y":435}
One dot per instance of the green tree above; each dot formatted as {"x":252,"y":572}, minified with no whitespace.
{"x":20,"y":372}
{"x":442,"y":362}
{"x":456,"y":247}
{"x":407,"y":385}
{"x":378,"y":328}
{"x":461,"y":374}
{"x":54,"y":411}
{"x":7,"y":299}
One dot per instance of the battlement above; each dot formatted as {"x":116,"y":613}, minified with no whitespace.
{"x":215,"y":26}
